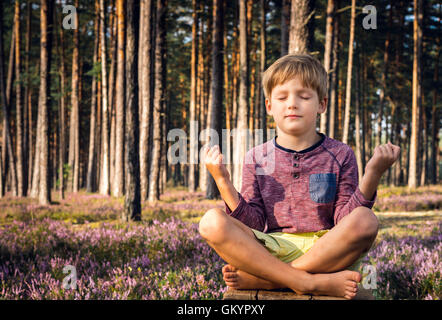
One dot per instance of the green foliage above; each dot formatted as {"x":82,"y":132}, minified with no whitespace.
{"x":95,"y":71}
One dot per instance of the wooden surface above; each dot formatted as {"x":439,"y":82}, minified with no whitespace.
{"x":286,"y":294}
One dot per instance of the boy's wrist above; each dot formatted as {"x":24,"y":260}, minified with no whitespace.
{"x":222,"y":181}
{"x":369,"y":183}
{"x":374,"y":173}
{"x":228,"y":192}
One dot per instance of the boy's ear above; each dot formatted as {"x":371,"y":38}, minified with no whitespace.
{"x":323,"y":105}
{"x":268,"y":106}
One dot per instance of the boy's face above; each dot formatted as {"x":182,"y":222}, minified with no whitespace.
{"x":292,"y":98}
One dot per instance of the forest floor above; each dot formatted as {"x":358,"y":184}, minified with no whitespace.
{"x":163,"y":256}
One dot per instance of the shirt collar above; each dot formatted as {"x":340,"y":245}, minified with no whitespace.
{"x":317,"y":144}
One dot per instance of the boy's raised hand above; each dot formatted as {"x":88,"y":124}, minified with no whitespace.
{"x":383,"y":158}
{"x":213,"y":160}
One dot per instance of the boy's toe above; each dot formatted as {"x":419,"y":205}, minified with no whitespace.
{"x":349,"y":295}
{"x":356,"y":276}
{"x":232,"y":284}
{"x":230,"y":268}
{"x":230,"y":276}
{"x":351,"y":289}
{"x":351,"y":284}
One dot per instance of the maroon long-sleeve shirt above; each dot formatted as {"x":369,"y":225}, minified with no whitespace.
{"x":298,"y":191}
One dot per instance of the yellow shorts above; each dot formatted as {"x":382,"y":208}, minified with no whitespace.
{"x":290,"y":246}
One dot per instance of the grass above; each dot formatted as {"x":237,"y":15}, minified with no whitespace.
{"x":91,"y":215}
{"x":83,"y":207}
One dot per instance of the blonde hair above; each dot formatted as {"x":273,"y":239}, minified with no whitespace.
{"x":309,"y":70}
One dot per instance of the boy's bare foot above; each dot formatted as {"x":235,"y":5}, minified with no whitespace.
{"x":238,"y":279}
{"x":338,"y":284}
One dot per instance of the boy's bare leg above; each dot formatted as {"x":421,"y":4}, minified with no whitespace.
{"x":342,"y":245}
{"x":240,"y":249}
{"x":336,"y":250}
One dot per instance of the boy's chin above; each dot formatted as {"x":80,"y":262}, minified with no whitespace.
{"x":292,"y":132}
{"x":298,"y":131}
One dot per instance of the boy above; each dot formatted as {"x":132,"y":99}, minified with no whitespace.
{"x":305,"y":223}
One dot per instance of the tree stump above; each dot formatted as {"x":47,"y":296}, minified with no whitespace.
{"x":286,"y":294}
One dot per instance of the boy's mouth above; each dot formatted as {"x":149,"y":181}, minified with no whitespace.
{"x":293,"y":116}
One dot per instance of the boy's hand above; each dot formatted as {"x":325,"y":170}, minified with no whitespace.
{"x":383,"y":158}
{"x":213,"y":160}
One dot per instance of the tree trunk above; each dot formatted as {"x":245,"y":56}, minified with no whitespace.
{"x":251,"y":58}
{"x":5,"y":108}
{"x":62,"y":114}
{"x":253,"y":84}
{"x":358,"y":125}
{"x":228,"y":95}
{"x":301,"y":16}
{"x":118,"y":185}
{"x":145,"y":62}
{"x":27,"y":132}
{"x":422,"y":133}
{"x":217,"y":84}
{"x":199,"y":95}
{"x":240,"y":146}
{"x":158,"y":105}
{"x":416,"y":98}
{"x":435,"y":112}
{"x":262,"y":116}
{"x":10,"y":79}
{"x":423,"y":175}
{"x":74,"y":118}
{"x":395,"y":109}
{"x":112,"y":106}
{"x":132,"y":200}
{"x":164,"y":169}
{"x":43,"y":102}
{"x":36,"y":174}
{"x":235,"y":66}
{"x":329,"y":23}
{"x":98,"y":123}
{"x":349,"y":73}
{"x":232,"y":106}
{"x":90,"y":180}
{"x":334,"y":75}
{"x":104,"y":174}
{"x":367,"y":120}
{"x":285,"y":24}
{"x":79,"y":139}
{"x":205,"y":92}
{"x":19,"y":106}
{"x":193,"y":124}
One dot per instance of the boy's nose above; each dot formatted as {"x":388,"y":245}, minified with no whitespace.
{"x":291,"y":104}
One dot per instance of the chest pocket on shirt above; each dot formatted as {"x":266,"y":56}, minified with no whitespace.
{"x":322,"y":187}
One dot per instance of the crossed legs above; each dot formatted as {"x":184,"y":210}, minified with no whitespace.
{"x":316,"y":272}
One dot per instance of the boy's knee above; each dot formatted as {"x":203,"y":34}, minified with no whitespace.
{"x":364,"y":224}
{"x":213,"y":225}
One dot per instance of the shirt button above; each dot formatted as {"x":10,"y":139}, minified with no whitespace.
{"x":295,"y":165}
{"x":296,"y":175}
{"x":296,"y":157}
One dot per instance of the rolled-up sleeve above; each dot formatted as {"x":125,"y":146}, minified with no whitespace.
{"x":349,"y":196}
{"x":250,"y":209}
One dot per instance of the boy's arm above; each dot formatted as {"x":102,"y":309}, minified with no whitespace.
{"x":383,"y":158}
{"x":213,"y":160}
{"x":247,"y":206}
{"x":349,"y":195}
{"x":228,"y":193}
{"x":365,"y":194}
{"x":369,"y":183}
